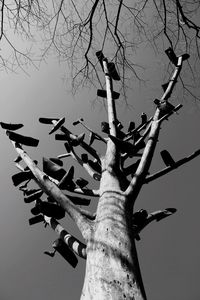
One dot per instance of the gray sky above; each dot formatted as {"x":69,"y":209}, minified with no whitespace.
{"x":169,"y":251}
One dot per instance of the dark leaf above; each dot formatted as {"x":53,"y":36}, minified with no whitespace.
{"x":61,"y":137}
{"x":95,"y":165}
{"x":57,"y":125}
{"x":131,"y":126}
{"x":118,"y":124}
{"x":113,"y":72}
{"x":84,"y":158}
{"x":139,"y":217}
{"x":67,"y":180}
{"x":105,"y":127}
{"x":103,"y":94}
{"x":76,"y":142}
{"x":50,"y":253}
{"x":67,"y":147}
{"x":164,"y":106}
{"x":34,"y":196}
{"x":47,"y":120}
{"x":21,"y":177}
{"x":36,"y":210}
{"x":21,"y":139}
{"x":10,"y":126}
{"x":157,"y":102}
{"x":144,"y":118}
{"x":57,"y":161}
{"x":18,"y":159}
{"x":23,"y":188}
{"x":78,"y":121}
{"x":165,"y":86}
{"x":65,"y":252}
{"x":100,"y":57}
{"x":91,"y":138}
{"x":52,"y":169}
{"x":52,"y":210}
{"x":185,"y":56}
{"x":172,"y":56}
{"x":81,"y":182}
{"x":35,"y":220}
{"x":167,"y":158}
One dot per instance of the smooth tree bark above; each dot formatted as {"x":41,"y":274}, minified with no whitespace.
{"x":112,"y":267}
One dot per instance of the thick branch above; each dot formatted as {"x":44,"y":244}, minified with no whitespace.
{"x":110,"y":162}
{"x":53,"y":191}
{"x":110,"y":101}
{"x":111,"y":152}
{"x":148,"y":153}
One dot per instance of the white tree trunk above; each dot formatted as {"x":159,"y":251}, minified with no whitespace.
{"x":112,"y":269}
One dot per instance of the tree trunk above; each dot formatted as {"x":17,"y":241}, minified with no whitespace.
{"x":112,"y":269}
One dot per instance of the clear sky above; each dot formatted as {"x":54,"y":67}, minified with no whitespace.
{"x":169,"y":251}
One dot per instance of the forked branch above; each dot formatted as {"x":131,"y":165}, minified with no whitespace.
{"x":143,"y":168}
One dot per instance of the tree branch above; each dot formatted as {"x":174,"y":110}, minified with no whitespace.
{"x":142,"y":221}
{"x":96,"y":176}
{"x":110,"y":162}
{"x":84,"y":145}
{"x":73,"y":243}
{"x":148,"y":152}
{"x":94,"y":134}
{"x":110,"y":102}
{"x":53,"y":191}
{"x":173,"y":167}
{"x":83,"y":191}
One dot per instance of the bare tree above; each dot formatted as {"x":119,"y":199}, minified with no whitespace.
{"x":112,"y":267}
{"x":77,"y":29}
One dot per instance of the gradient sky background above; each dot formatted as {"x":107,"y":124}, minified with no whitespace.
{"x":169,"y":251}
